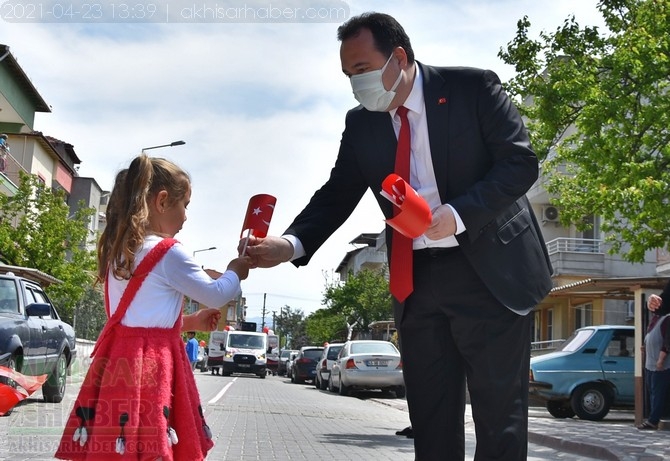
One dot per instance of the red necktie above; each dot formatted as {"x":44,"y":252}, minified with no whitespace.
{"x":401,"y":284}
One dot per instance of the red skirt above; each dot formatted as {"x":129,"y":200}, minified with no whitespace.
{"x":139,"y":397}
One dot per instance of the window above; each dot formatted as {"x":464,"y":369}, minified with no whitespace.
{"x":550,"y":324}
{"x":8,"y":296}
{"x":583,"y":315}
{"x":621,"y":345}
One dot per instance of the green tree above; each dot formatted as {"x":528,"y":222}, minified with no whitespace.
{"x":89,"y":313}
{"x":290,"y":327}
{"x":36,"y":231}
{"x":599,"y":115}
{"x":363,"y":299}
{"x":322,"y":325}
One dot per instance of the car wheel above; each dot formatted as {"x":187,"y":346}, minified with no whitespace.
{"x":343,"y":390}
{"x":560,"y":409}
{"x":54,"y":389}
{"x":323,"y":385}
{"x":262,"y":375}
{"x":298,"y":380}
{"x":12,"y":364}
{"x":400,"y":392}
{"x":591,"y":401}
{"x":317,"y":382}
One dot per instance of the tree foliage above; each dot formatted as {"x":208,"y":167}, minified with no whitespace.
{"x":363,"y":299}
{"x":290,"y":327}
{"x":36,"y":231}
{"x":599,"y":115}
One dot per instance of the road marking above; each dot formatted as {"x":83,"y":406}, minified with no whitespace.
{"x":221,"y":392}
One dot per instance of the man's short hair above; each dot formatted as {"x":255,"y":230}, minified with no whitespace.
{"x":386,"y":31}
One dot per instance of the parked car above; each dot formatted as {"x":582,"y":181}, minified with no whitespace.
{"x":284,"y":357}
{"x":201,"y":364}
{"x":367,"y":364}
{"x":33,"y":338}
{"x":289,"y":364}
{"x":325,"y":363}
{"x":590,"y":373}
{"x":304,"y":365}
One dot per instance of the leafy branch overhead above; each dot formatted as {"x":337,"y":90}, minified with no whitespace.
{"x":598,"y":109}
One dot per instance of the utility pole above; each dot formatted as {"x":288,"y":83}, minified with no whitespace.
{"x":263,"y":312}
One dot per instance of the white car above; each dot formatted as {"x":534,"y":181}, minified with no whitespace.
{"x":367,"y":364}
{"x":325,"y":363}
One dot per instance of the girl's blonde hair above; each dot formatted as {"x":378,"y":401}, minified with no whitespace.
{"x":128,"y":210}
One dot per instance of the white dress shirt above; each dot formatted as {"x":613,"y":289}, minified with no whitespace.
{"x":422,"y":176}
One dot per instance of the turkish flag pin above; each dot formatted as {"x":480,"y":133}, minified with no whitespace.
{"x":442,"y":101}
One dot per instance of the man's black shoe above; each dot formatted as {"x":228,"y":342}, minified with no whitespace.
{"x":407,"y":431}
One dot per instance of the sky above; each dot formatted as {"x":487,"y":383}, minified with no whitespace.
{"x":257,"y":94}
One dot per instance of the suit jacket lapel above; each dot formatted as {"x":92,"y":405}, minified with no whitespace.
{"x":436,"y":100}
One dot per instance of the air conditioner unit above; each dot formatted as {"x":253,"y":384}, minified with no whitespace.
{"x":549,"y":214}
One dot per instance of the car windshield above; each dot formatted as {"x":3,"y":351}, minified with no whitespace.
{"x":285,"y":354}
{"x":244,"y":341}
{"x":576,"y":341}
{"x":373,"y":348}
{"x":8,"y":299}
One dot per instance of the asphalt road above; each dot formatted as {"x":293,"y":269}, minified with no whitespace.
{"x":260,"y":419}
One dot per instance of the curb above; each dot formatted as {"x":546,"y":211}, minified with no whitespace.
{"x":578,"y":448}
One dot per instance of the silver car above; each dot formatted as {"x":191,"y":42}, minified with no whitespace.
{"x":367,"y":364}
{"x":325,"y":364}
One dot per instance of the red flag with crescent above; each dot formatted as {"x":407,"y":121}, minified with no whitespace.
{"x":259,"y":214}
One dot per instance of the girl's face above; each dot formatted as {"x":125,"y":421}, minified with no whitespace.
{"x":171,"y":216}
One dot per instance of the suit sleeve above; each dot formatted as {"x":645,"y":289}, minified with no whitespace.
{"x":333,"y":203}
{"x":510,"y":166}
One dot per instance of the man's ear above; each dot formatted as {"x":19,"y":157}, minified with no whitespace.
{"x":401,"y":55}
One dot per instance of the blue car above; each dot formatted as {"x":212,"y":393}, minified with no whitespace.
{"x":590,"y":373}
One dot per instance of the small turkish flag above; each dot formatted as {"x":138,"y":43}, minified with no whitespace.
{"x":259,"y":214}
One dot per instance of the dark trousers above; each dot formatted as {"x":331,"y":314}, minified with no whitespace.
{"x":658,"y":384}
{"x":454,"y":331}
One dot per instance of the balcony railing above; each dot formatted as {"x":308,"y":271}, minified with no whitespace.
{"x":9,"y":177}
{"x":577,"y":245}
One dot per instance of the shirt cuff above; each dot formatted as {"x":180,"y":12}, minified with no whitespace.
{"x":298,"y":249}
{"x":460,"y":226}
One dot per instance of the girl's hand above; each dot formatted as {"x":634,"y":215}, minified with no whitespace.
{"x":202,"y":320}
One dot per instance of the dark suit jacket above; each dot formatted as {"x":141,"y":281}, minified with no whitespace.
{"x":483,"y":163}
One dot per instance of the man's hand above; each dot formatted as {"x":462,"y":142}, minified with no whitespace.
{"x":654,"y":302}
{"x":443,"y":224}
{"x":268,"y":251}
{"x":202,"y":320}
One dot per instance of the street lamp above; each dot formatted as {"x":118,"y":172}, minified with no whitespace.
{"x":172,"y":144}
{"x":204,"y":249}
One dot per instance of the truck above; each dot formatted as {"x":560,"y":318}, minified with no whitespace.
{"x":236,"y":351}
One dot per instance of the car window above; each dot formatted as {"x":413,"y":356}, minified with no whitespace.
{"x":621,"y":345}
{"x":333,"y":351}
{"x":34,"y":295}
{"x":313,"y":354}
{"x":576,"y":341}
{"x":8,"y":296}
{"x":373,"y":348}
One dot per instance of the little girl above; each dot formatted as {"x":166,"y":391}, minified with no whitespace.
{"x":139,"y":400}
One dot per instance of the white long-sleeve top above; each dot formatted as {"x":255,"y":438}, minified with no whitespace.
{"x":159,"y":300}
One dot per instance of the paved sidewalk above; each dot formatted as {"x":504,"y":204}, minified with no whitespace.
{"x":615,"y":438}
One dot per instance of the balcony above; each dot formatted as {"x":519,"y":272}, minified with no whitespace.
{"x":577,"y":256}
{"x":9,"y":177}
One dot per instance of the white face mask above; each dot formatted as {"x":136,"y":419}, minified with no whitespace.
{"x":369,"y":89}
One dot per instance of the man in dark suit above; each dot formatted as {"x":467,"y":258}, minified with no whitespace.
{"x":481,"y":265}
